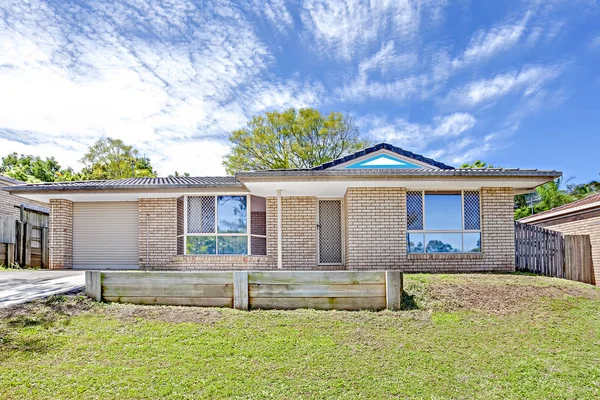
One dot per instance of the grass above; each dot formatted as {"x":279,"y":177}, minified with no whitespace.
{"x":465,"y":336}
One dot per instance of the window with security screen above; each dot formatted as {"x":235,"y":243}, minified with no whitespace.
{"x":443,"y":222}
{"x":222,"y":225}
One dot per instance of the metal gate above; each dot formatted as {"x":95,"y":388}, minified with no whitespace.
{"x":329,"y":224}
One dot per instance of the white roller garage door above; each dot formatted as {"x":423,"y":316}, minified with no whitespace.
{"x":105,"y":235}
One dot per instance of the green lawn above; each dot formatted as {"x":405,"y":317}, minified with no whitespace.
{"x":465,"y":336}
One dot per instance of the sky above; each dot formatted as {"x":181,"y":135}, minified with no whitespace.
{"x":514,"y":83}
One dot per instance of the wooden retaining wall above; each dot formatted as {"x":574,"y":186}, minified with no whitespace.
{"x":324,"y":290}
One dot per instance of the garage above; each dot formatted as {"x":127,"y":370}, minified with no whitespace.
{"x":105,"y":235}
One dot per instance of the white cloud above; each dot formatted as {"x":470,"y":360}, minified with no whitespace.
{"x":528,"y":81}
{"x":487,"y":43}
{"x":150,"y":73}
{"x":344,"y":28}
{"x":276,"y":12}
{"x":383,"y":62}
{"x":469,"y":149}
{"x":387,"y":59}
{"x":453,"y":125}
{"x":416,"y":136}
{"x":595,"y":42}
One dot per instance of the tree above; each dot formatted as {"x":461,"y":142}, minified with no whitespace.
{"x":112,"y":159}
{"x":292,"y":139}
{"x":477,"y":164}
{"x":584,"y":189}
{"x":177,"y":175}
{"x":34,"y":169}
{"x":552,"y":194}
{"x":437,"y":246}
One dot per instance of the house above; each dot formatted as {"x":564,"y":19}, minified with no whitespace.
{"x":380,"y":208}
{"x":580,"y":217}
{"x":11,"y":205}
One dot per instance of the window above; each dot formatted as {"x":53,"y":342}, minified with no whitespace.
{"x":216,"y":225}
{"x":443,"y":222}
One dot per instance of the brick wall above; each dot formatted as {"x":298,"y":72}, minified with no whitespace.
{"x":158,"y":224}
{"x":375,"y":228}
{"x":583,"y":224}
{"x":258,"y":222}
{"x":221,"y":262}
{"x":61,"y":234}
{"x":299,"y":232}
{"x":9,"y":203}
{"x":376,"y":234}
{"x":158,"y":232}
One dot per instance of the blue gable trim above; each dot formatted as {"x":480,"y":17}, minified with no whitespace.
{"x":382,"y":161}
{"x":382,"y":146}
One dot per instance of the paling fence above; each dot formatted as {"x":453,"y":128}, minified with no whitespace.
{"x":24,"y":241}
{"x":550,"y":253}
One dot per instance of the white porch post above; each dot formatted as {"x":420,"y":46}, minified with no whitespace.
{"x":279,"y":232}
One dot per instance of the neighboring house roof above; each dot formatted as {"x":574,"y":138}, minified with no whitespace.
{"x":135,"y":183}
{"x":11,"y":183}
{"x":378,"y":147}
{"x":11,"y":180}
{"x":585,"y":204}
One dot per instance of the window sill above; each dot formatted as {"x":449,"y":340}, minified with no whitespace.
{"x":446,"y":256}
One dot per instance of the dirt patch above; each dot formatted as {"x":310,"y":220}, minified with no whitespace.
{"x":171,"y":314}
{"x":494,"y":295}
{"x":45,"y":311}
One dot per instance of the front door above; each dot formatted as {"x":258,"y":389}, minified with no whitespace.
{"x":330,"y":231}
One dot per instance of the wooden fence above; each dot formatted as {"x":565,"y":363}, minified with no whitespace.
{"x":549,"y":253}
{"x":23,"y":243}
{"x":539,"y":250}
{"x":578,"y":259}
{"x":342,"y":290}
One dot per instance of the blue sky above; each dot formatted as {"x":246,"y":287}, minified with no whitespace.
{"x":515,"y":83}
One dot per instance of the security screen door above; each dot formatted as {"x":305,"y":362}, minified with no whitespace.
{"x":330,"y":231}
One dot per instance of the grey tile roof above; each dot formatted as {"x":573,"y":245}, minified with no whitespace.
{"x":135,"y":183}
{"x":480,"y":172}
{"x":11,"y":180}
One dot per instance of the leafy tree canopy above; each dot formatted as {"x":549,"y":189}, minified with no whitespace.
{"x":112,"y":159}
{"x":34,"y":169}
{"x":584,"y":189}
{"x":292,"y":139}
{"x":551,"y":195}
{"x":477,"y":164}
{"x":178,"y":174}
{"x":106,"y":159}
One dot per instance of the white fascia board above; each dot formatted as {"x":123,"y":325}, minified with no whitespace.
{"x":337,"y":188}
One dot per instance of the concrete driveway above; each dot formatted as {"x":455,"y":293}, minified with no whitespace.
{"x":22,"y":286}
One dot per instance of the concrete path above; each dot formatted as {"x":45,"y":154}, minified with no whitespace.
{"x":22,"y":286}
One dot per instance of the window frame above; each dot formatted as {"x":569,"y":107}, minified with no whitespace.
{"x":462,"y":231}
{"x":216,"y":233}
